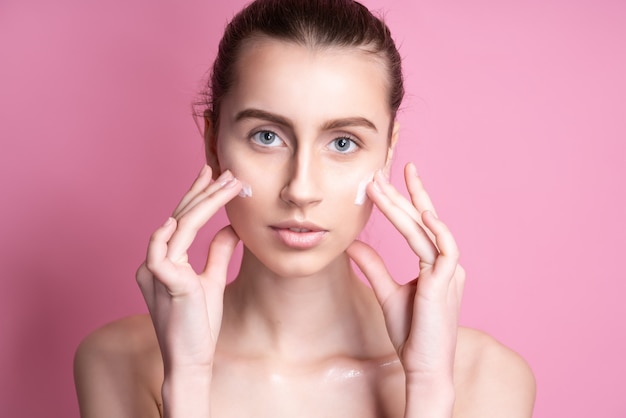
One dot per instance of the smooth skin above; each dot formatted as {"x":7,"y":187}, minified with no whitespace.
{"x":297,"y":334}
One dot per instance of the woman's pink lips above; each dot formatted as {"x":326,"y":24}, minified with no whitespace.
{"x":299,"y":237}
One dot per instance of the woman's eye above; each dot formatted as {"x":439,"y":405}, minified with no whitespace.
{"x":344,"y":145}
{"x":267,"y":138}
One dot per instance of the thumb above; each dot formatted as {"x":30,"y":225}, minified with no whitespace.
{"x":374,"y":269}
{"x":220,"y":252}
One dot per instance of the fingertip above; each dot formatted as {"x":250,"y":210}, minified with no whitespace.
{"x":432,"y":222}
{"x":373,"y":187}
{"x":354,"y":245}
{"x":161,"y":233}
{"x":202,"y":180}
{"x":412,"y":176}
{"x":380,"y":184}
{"x":382,"y":176}
{"x":221,"y":251}
{"x":205,"y":169}
{"x":169,"y":226}
{"x":359,"y":251}
{"x":228,"y":233}
{"x":159,"y":239}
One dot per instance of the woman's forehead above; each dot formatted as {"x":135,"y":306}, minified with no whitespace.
{"x":298,"y":81}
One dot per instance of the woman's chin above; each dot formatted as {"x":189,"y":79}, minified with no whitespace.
{"x":299,"y":264}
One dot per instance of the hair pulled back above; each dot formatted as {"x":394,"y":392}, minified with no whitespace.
{"x":311,"y":23}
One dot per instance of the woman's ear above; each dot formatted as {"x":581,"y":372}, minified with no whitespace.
{"x":210,"y":144}
{"x":393,"y":140}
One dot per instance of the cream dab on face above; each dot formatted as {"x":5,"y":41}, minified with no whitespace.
{"x":246,"y":190}
{"x":361,"y":195}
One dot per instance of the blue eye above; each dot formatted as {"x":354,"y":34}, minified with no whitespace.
{"x":267,"y":138}
{"x":344,"y":145}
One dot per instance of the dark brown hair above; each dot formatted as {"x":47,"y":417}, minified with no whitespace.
{"x":311,"y":23}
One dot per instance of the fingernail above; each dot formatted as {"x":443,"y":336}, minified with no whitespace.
{"x":169,"y":221}
{"x":381,"y":176}
{"x":224,"y":178}
{"x":414,"y":169}
{"x":230,"y":183}
{"x":204,"y":170}
{"x":377,"y":187}
{"x":379,"y":180}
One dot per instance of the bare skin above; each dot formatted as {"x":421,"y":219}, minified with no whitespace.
{"x":296,"y":349}
{"x":296,"y":333}
{"x":119,"y":374}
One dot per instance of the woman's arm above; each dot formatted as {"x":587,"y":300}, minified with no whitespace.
{"x":422,"y":316}
{"x":185,"y":305}
{"x":186,"y":311}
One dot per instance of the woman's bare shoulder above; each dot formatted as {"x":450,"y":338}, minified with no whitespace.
{"x":124,"y":340}
{"x":118,"y":369}
{"x":491,"y":379}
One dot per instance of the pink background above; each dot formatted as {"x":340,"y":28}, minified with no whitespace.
{"x":515,"y":117}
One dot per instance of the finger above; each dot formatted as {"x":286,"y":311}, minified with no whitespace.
{"x":145,"y":281}
{"x":459,"y":285}
{"x":215,"y":273}
{"x":396,"y":197}
{"x":373,"y":267}
{"x":191,"y":222}
{"x":415,"y":235}
{"x":220,"y":252}
{"x":204,"y":189}
{"x":143,"y":277}
{"x":157,"y":263}
{"x":201,"y":182}
{"x":419,"y":197}
{"x":446,"y":263}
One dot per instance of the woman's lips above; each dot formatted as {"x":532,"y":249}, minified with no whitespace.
{"x":299,"y":236}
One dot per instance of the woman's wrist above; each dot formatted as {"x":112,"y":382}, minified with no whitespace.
{"x":186,"y":394}
{"x":430,"y":399}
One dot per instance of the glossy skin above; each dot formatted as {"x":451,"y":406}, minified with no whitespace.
{"x":299,"y":334}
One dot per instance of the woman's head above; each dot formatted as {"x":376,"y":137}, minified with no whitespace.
{"x":302,"y":109}
{"x":309,"y":23}
{"x":304,"y":129}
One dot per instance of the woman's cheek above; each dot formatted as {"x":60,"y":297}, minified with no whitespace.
{"x":354,"y":200}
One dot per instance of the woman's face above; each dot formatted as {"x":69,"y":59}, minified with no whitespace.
{"x":305,"y":129}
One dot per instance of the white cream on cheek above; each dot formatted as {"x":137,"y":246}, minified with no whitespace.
{"x":246,"y":189}
{"x":361,"y":194}
{"x":360,"y":198}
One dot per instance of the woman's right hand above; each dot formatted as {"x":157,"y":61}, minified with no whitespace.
{"x":185,"y":306}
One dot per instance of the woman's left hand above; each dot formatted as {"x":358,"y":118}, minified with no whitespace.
{"x":422,"y":315}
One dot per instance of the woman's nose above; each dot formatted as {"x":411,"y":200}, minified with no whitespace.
{"x":302,"y":187}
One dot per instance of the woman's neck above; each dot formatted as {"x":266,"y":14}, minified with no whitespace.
{"x":328,"y":313}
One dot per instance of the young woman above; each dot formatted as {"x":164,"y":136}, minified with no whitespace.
{"x":300,"y":129}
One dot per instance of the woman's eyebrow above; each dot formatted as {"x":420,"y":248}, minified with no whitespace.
{"x":345,"y":122}
{"x":280,"y":120}
{"x":263,"y":115}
